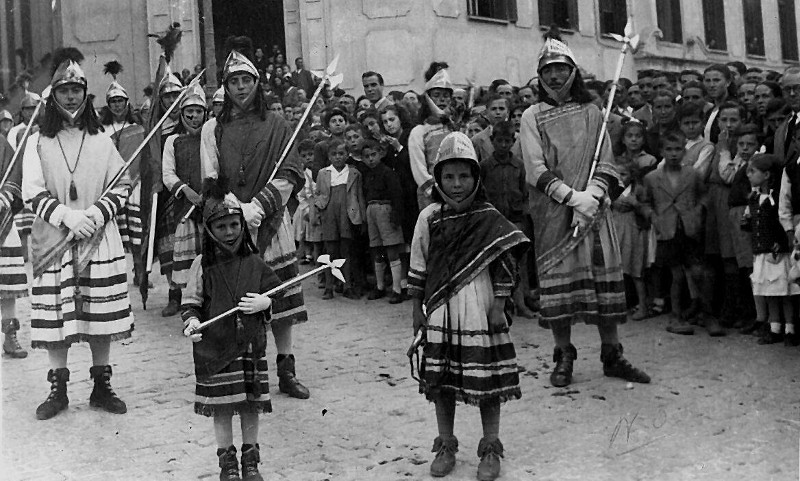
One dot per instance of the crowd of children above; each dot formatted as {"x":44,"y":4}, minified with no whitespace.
{"x":427,"y":197}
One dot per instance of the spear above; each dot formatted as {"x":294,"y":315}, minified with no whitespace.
{"x":334,"y":265}
{"x":628,"y":43}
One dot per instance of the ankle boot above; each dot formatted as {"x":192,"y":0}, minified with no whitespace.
{"x":229,"y":465}
{"x":445,"y":460}
{"x":287,"y":382}
{"x":174,"y":304}
{"x":102,"y":395}
{"x":490,"y":453}
{"x":250,"y":460}
{"x":562,"y":373}
{"x":614,"y":365}
{"x":57,"y":401}
{"x":11,"y":344}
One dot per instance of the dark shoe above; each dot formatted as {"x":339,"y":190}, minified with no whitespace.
{"x":676,"y":325}
{"x":57,"y":401}
{"x":174,"y":304}
{"x":791,"y":339}
{"x":615,"y":365}
{"x":712,"y":325}
{"x":250,"y":460}
{"x":750,"y":328}
{"x":351,"y":293}
{"x":406,"y":295}
{"x":769,"y":337}
{"x":328,"y":294}
{"x":395,"y":298}
{"x":445,"y":459}
{"x":229,"y":465}
{"x":694,"y":309}
{"x":376,"y":294}
{"x":287,"y":380}
{"x":490,"y":453}
{"x":102,"y":395}
{"x":533,"y":304}
{"x":562,"y":373}
{"x":339,"y":288}
{"x":11,"y":345}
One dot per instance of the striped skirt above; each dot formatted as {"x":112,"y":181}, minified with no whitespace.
{"x":587,"y":285}
{"x":13,"y":279}
{"x":65,"y":310}
{"x":186,"y":248}
{"x":461,"y":357}
{"x":241,"y":387}
{"x":129,"y":220}
{"x":24,"y":221}
{"x":281,"y":257}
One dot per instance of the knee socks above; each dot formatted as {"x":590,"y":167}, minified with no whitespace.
{"x":445,"y":415}
{"x":397,"y":272}
{"x":380,"y":271}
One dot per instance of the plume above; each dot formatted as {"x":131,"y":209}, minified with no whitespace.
{"x":554,"y":32}
{"x":216,"y":188}
{"x":170,"y":40}
{"x":241,"y":44}
{"x":112,"y":68}
{"x":65,"y":53}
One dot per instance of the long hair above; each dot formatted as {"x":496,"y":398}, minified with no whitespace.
{"x":578,"y":91}
{"x":107,"y":118}
{"x":53,"y":121}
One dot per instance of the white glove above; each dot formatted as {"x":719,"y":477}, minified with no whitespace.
{"x":94,"y":214}
{"x":580,"y":221}
{"x":252,"y":303}
{"x":4,"y":203}
{"x":189,"y":326}
{"x":79,"y":224}
{"x":252,"y":216}
{"x":584,"y":203}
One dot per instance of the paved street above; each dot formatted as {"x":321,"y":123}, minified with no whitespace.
{"x":718,"y":409}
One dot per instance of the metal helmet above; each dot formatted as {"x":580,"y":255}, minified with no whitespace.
{"x":238,"y":63}
{"x":555,"y":51}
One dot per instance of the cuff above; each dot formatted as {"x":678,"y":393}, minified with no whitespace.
{"x":57,"y":217}
{"x":177,"y":189}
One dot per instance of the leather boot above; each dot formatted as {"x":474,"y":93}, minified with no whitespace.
{"x":712,"y":325}
{"x":174,"y":304}
{"x":445,"y":460}
{"x":57,"y":401}
{"x":562,"y":373}
{"x":11,"y":345}
{"x":229,"y":465}
{"x":102,"y":395}
{"x":287,"y":382}
{"x":250,"y":459}
{"x":490,"y":453}
{"x":615,"y":365}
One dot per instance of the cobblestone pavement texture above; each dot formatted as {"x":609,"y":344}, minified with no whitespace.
{"x":717,"y":409}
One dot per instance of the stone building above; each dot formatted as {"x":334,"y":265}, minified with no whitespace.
{"x":481,"y":39}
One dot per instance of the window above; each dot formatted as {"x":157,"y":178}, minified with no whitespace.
{"x":788,"y":29}
{"x":563,"y":13}
{"x":753,"y":27}
{"x":669,"y":20}
{"x":714,"y":21}
{"x":496,"y":10}
{"x":613,"y":16}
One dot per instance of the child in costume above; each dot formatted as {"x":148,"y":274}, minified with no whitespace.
{"x":230,"y":355}
{"x":464,"y":259}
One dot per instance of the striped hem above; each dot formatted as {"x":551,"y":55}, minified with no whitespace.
{"x":253,"y":407}
{"x":432,"y":394}
{"x":80,"y":337}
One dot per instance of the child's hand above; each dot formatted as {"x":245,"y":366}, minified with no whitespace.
{"x":497,"y":317}
{"x":420,"y":320}
{"x":188,"y":329}
{"x":252,"y":303}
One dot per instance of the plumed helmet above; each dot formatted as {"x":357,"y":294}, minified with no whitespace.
{"x":30,"y":99}
{"x":440,"y":80}
{"x":69,"y":72}
{"x":195,"y":96}
{"x":218,"y":200}
{"x":114,"y":68}
{"x":555,"y":51}
{"x":238,"y":63}
{"x":169,"y":82}
{"x":219,"y":95}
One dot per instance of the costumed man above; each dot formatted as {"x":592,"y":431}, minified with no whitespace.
{"x":13,"y":279}
{"x":180,"y":168}
{"x":24,"y":218}
{"x":217,"y":100}
{"x":121,"y":125}
{"x":169,"y":89}
{"x":79,"y":292}
{"x":580,"y":275}
{"x":244,"y":144}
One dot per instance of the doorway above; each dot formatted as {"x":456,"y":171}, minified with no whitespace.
{"x":261,"y":20}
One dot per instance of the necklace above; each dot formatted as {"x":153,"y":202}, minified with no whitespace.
{"x":118,"y":137}
{"x":73,"y":191}
{"x":232,"y":292}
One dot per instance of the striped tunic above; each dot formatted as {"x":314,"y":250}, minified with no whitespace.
{"x":13,"y":279}
{"x":461,"y":357}
{"x":69,"y":306}
{"x":129,"y":219}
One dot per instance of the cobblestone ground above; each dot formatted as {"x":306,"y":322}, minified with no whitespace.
{"x":718,"y":409}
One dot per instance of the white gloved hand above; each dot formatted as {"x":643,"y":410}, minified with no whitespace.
{"x":189,"y":326}
{"x":251,"y":213}
{"x":79,"y":224}
{"x":584,"y":202}
{"x":95,"y":215}
{"x":4,"y":203}
{"x":580,"y":221}
{"x":252,"y":303}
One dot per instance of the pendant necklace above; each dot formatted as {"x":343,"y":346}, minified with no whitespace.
{"x":232,"y":292}
{"x":73,"y":191}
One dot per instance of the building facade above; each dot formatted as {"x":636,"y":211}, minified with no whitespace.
{"x":480,"y":39}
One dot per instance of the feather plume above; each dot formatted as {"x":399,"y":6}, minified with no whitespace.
{"x":112,"y":68}
{"x":433,"y":68}
{"x":241,"y":44}
{"x":170,"y":40}
{"x":216,"y":188}
{"x":554,"y":32}
{"x":65,"y":53}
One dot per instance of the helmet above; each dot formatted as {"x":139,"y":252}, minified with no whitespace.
{"x":238,"y":63}
{"x":30,"y":99}
{"x":440,"y":80}
{"x":68,"y":72}
{"x":555,"y":51}
{"x":219,"y":95}
{"x":116,"y":90}
{"x":195,"y":96}
{"x":169,"y":82}
{"x":456,"y":146}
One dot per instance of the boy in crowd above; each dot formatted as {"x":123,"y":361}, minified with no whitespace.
{"x":497,"y":110}
{"x":699,"y":151}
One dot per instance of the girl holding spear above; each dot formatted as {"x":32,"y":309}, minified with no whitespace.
{"x":66,"y":167}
